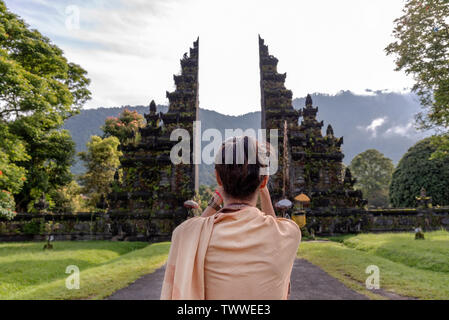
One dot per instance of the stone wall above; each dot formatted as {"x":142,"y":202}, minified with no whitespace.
{"x":98,"y":226}
{"x":383,"y":220}
{"x":151,"y":228}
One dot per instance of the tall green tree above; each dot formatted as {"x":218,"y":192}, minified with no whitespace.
{"x":52,"y":155}
{"x":101,"y":160}
{"x":12,"y":176}
{"x":373,"y":172}
{"x":12,"y":151}
{"x":35,"y":76}
{"x":39,"y":89}
{"x":421,"y":49}
{"x":415,"y":171}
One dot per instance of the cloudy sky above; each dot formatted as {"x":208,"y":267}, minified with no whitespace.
{"x":131,"y":48}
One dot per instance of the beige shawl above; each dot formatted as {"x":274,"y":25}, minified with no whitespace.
{"x":249,"y":255}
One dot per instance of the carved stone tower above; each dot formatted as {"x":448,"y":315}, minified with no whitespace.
{"x":277,"y":111}
{"x":151,"y":184}
{"x":317,"y":160}
{"x":314,"y":162}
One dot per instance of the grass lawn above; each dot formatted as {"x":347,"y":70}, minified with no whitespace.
{"x":408,"y":267}
{"x":28,"y":272}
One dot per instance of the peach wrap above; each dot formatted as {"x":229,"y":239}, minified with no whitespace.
{"x":231,"y":256}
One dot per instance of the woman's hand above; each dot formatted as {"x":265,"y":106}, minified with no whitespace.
{"x":217,"y":201}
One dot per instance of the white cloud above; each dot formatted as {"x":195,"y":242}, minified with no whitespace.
{"x":384,"y":127}
{"x":403,"y":130}
{"x":375,"y":124}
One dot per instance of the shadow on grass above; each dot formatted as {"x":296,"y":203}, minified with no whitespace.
{"x":44,"y":277}
{"x":430,"y":254}
{"x":103,"y":279}
{"x":417,"y":255}
{"x":35,"y":272}
{"x":28,"y":264}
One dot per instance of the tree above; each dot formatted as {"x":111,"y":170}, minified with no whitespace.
{"x":12,"y":150}
{"x":12,"y":176}
{"x":204,"y":195}
{"x":421,"y":48}
{"x":52,"y":154}
{"x":415,"y":171}
{"x":101,"y":161}
{"x":68,"y":199}
{"x":373,"y":172}
{"x":441,"y":144}
{"x":39,"y":89}
{"x":125,"y":127}
{"x":36,"y":77}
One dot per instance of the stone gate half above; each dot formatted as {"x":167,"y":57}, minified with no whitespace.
{"x":309,"y":162}
{"x":151,"y":184}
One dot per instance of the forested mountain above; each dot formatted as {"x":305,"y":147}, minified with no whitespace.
{"x":378,"y":120}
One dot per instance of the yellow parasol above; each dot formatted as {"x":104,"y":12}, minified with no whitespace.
{"x":302,"y":198}
{"x":300,"y":217}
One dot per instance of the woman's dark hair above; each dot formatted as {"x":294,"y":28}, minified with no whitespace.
{"x":238,"y":164}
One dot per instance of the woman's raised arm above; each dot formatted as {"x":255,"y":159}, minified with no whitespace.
{"x":265,"y":202}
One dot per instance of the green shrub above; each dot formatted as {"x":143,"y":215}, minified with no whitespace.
{"x":416,"y":171}
{"x":32,"y":227}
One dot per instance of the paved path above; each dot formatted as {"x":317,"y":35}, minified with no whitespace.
{"x":308,"y":282}
{"x":146,"y":288}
